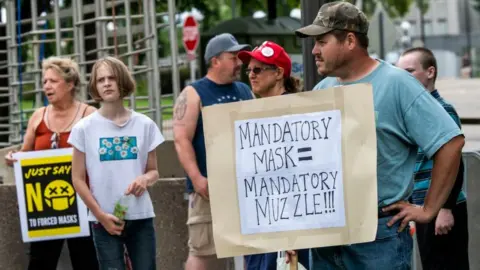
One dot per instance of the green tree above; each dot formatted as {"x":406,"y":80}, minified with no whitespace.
{"x":394,"y":8}
{"x":215,"y":11}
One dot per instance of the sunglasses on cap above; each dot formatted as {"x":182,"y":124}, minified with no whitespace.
{"x":258,"y":70}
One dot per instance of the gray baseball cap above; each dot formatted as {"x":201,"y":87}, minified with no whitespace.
{"x":223,"y":43}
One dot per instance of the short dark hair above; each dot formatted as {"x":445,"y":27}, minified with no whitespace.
{"x":427,"y":59}
{"x":341,"y":35}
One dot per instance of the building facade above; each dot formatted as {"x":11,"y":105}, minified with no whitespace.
{"x":451,"y":27}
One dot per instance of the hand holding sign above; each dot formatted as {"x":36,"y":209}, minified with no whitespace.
{"x":289,"y":254}
{"x":201,"y":186}
{"x":9,"y":160}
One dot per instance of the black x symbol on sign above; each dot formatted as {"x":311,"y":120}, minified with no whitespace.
{"x":53,"y":190}
{"x":64,"y":189}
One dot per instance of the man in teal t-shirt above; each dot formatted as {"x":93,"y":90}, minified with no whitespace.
{"x":443,"y":243}
{"x":407,"y":117}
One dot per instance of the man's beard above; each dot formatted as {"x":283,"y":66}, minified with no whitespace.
{"x":330,"y":68}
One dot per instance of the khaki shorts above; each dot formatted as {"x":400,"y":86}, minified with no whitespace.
{"x":200,"y":232}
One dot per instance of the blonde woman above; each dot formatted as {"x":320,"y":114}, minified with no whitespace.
{"x":49,"y":128}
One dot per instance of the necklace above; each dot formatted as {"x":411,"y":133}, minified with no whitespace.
{"x":73,"y":120}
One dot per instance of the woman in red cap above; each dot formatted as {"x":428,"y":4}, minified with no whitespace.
{"x":269,"y":71}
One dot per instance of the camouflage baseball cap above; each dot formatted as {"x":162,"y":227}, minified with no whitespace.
{"x":337,"y":15}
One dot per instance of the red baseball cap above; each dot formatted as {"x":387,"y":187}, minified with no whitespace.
{"x":269,"y":53}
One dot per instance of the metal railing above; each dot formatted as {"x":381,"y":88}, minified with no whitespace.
{"x":83,"y":32}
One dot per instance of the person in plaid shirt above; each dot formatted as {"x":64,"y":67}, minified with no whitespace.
{"x":443,"y":243}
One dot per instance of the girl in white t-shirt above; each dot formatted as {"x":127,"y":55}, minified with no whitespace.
{"x":114,"y":159}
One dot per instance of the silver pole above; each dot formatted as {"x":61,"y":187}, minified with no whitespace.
{"x":148,"y":55}
{"x":81,"y":48}
{"x":98,"y":30}
{"x":103,"y":27}
{"x":309,"y":12}
{"x":193,"y":64}
{"x":57,"y":28}
{"x":75,"y":30}
{"x":8,"y":22}
{"x":359,"y":4}
{"x":12,"y":59}
{"x":36,"y":55}
{"x":156,"y":76}
{"x":129,"y":38}
{"x":174,"y":49}
{"x":234,"y":8}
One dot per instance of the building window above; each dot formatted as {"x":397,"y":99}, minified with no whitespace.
{"x":428,"y":29}
{"x":442,"y":27}
{"x":413,"y":28}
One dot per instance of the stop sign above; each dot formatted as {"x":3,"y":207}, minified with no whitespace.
{"x":191,"y":35}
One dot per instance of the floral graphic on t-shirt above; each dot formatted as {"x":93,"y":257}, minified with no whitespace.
{"x":118,"y":148}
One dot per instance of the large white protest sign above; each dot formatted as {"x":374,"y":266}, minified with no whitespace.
{"x":293,"y":171}
{"x":289,"y":172}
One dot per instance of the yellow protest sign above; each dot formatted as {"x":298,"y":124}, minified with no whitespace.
{"x":48,"y":204}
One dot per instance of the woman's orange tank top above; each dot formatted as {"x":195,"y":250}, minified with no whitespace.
{"x":43,"y":136}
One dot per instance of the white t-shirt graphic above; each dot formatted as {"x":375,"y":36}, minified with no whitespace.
{"x":116,"y":155}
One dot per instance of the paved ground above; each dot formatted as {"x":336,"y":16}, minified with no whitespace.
{"x":465,"y":96}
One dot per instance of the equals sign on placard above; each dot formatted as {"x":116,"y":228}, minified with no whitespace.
{"x":304,"y":151}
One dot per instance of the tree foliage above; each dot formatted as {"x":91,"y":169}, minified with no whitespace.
{"x":394,"y":8}
{"x":215,"y":11}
